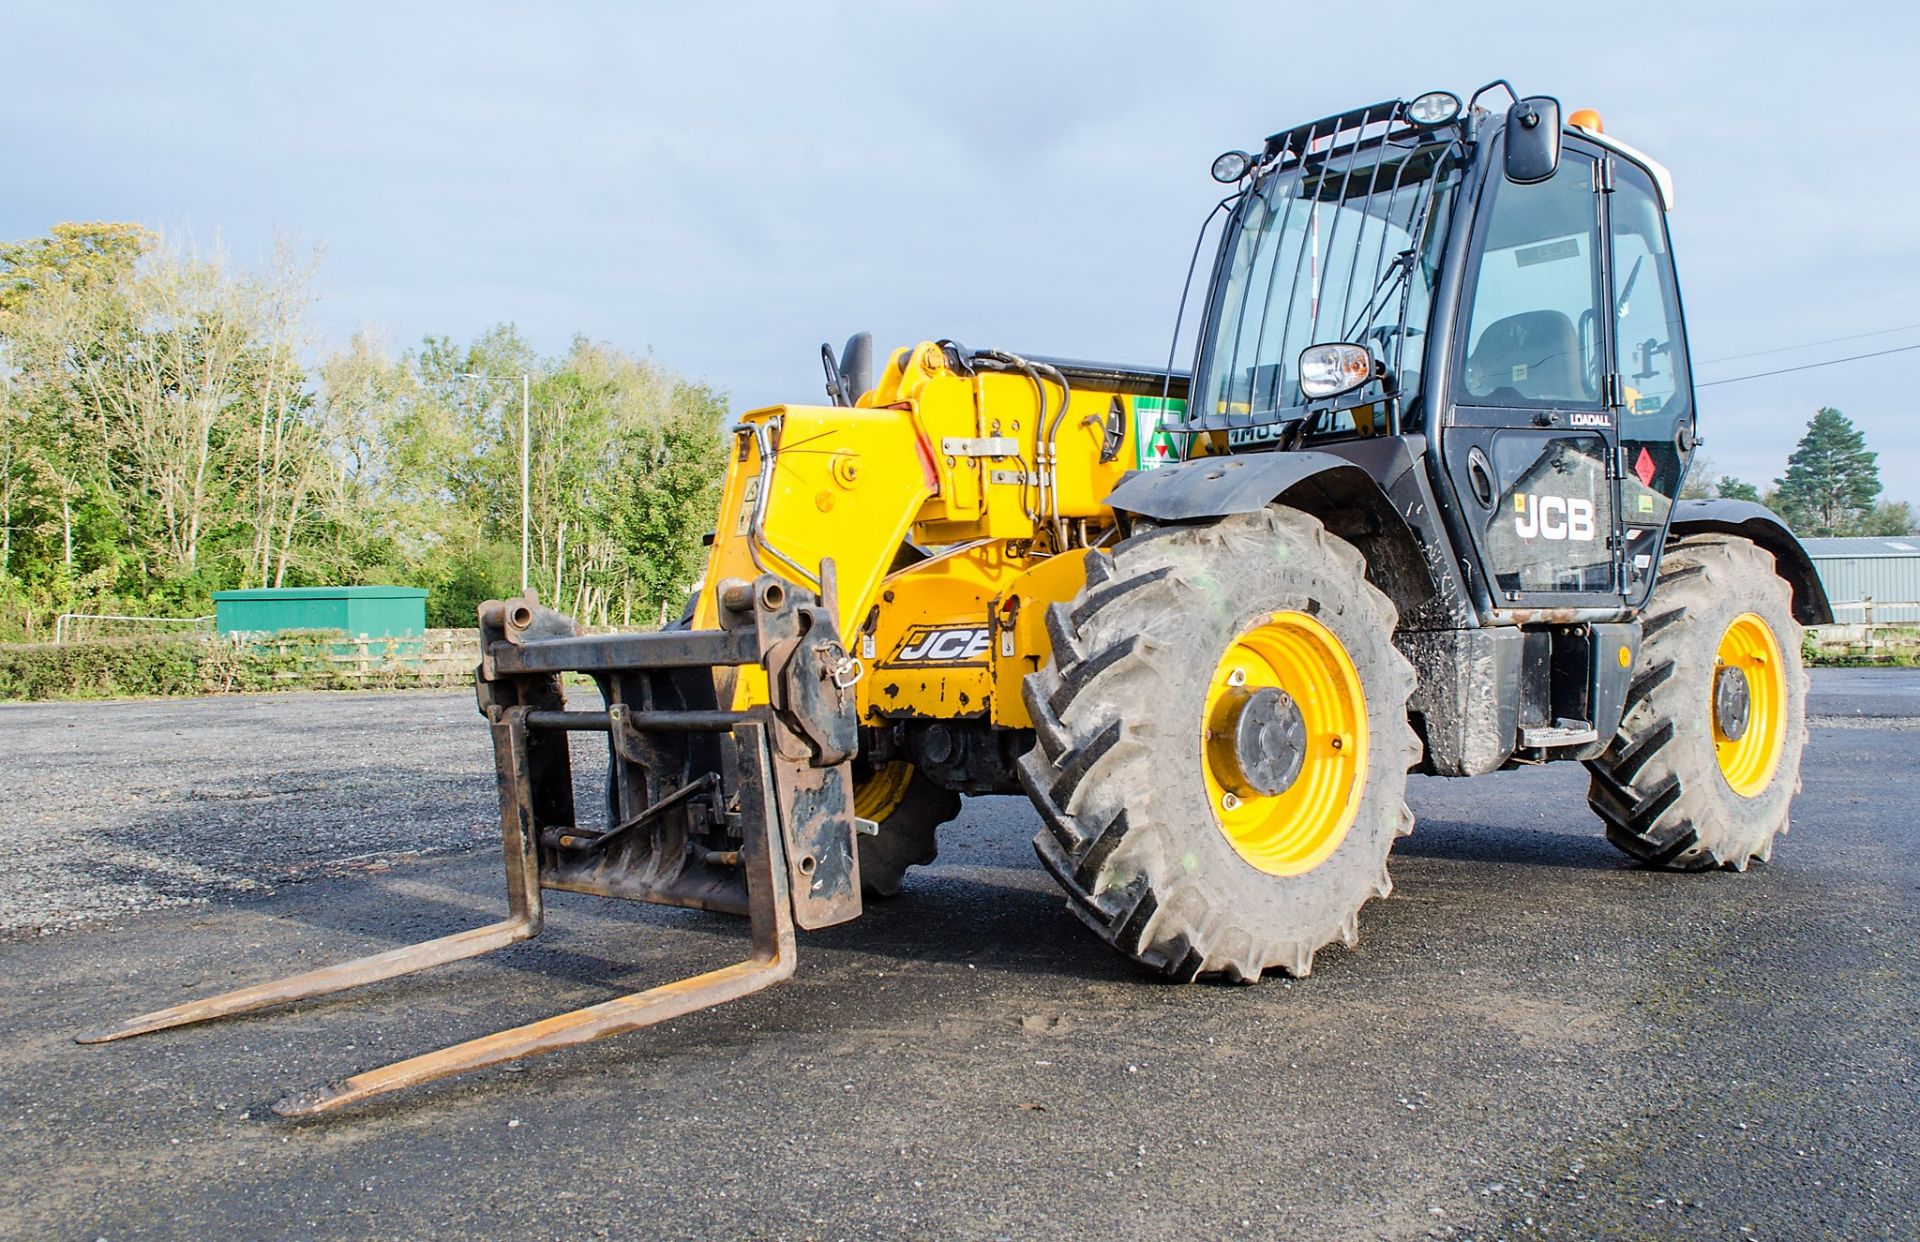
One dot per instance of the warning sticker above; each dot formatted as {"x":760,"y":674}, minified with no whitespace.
{"x":1153,"y":446}
{"x":747,"y":503}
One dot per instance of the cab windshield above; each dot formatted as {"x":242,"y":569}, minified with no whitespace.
{"x":1344,"y":248}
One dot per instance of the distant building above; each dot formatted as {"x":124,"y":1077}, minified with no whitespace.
{"x":1885,"y":571}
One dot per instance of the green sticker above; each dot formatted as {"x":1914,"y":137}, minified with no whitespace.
{"x":1648,"y":405}
{"x":1153,"y":446}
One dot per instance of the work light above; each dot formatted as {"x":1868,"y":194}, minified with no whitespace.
{"x":1232,"y":166}
{"x":1329,"y":370}
{"x":1434,"y":108}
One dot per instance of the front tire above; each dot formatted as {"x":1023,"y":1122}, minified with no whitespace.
{"x":1187,"y":850}
{"x":1707,"y":759}
{"x":909,"y":809}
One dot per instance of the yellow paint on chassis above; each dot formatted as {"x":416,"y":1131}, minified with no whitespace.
{"x":948,"y":461}
{"x":984,"y":588}
{"x":1297,"y":829}
{"x":1748,"y":763}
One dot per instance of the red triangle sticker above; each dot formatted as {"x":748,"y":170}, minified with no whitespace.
{"x":1643,"y":468}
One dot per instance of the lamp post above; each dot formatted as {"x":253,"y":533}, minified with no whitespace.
{"x":526,"y":472}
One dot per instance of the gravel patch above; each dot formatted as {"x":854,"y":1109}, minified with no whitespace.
{"x":120,"y":807}
{"x":115,"y":808}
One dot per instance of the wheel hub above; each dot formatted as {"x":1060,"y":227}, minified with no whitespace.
{"x":1732,"y":702}
{"x":1257,"y":741}
{"x":1748,"y":704}
{"x":1283,"y":746}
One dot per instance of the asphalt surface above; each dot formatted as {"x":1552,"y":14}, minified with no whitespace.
{"x":1533,"y":1038}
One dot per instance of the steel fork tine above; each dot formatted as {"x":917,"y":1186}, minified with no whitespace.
{"x":614,"y":1017}
{"x":770,"y":914}
{"x":325,"y":980}
{"x":525,"y":917}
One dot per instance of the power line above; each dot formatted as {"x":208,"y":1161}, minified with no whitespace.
{"x":1735,"y":379}
{"x":1832,"y":340}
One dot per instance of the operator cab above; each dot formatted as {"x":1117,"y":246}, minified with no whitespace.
{"x":1497,"y":291}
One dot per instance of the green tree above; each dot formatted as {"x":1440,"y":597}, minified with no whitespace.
{"x":72,"y":256}
{"x":1698,"y":482}
{"x":1730,"y":488}
{"x":162,"y":436}
{"x":1832,"y":477}
{"x":160,"y":439}
{"x":63,"y":310}
{"x":1889,"y":518}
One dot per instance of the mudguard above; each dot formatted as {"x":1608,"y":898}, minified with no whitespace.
{"x":1764,"y":527}
{"x":1217,"y":486}
{"x":1348,"y":494}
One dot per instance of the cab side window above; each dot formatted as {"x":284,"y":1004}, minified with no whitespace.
{"x":1649,"y":345}
{"x":1533,"y":337}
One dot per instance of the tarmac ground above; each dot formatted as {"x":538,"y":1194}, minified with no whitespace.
{"x":1534,"y":1038}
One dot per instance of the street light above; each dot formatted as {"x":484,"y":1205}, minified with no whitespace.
{"x":526,"y":494}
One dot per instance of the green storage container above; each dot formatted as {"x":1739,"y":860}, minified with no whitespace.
{"x":370,"y":611}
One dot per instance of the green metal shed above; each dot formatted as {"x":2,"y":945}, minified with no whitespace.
{"x":370,"y":611}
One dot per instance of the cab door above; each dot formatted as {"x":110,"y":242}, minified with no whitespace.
{"x":1530,"y":444}
{"x":1655,"y":417}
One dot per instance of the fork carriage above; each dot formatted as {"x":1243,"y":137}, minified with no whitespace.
{"x":746,"y":812}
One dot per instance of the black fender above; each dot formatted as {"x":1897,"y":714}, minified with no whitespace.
{"x":1348,"y":498}
{"x":1764,"y":527}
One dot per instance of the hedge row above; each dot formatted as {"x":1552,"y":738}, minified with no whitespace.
{"x":158,"y":667}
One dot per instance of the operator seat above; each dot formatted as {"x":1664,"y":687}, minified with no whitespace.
{"x":1532,"y":356}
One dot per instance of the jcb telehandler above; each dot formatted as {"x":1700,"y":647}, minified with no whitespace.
{"x":1414,"y":507}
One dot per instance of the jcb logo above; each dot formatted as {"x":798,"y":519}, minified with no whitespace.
{"x":1552,"y":517}
{"x":947,"y":646}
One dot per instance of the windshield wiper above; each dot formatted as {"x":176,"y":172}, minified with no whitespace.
{"x":1398,"y":269}
{"x":1626,"y":291}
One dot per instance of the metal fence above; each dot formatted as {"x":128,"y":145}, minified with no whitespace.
{"x":72,"y":627}
{"x":1870,"y":611}
{"x":438,"y":657}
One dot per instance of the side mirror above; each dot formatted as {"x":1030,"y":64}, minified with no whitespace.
{"x":1533,"y":139}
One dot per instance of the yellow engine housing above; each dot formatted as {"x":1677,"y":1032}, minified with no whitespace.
{"x":952,"y":516}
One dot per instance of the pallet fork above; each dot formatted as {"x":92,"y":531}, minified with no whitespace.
{"x":745,"y":812}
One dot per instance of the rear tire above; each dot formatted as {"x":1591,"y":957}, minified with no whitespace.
{"x":1136,"y":830}
{"x":1672,"y":790}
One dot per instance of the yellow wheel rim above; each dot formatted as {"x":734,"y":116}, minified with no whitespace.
{"x":1751,"y":651}
{"x":880,"y":795}
{"x":1296,"y":828}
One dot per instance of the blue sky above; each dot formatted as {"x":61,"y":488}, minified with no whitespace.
{"x":730,"y":184}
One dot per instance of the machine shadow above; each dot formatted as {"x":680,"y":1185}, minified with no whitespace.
{"x":1453,"y":840}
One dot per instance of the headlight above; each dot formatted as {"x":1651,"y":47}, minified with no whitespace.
{"x":1232,"y":166}
{"x":1434,"y":108}
{"x":1329,"y":370}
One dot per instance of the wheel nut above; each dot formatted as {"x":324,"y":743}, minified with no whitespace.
{"x":1238,"y":677}
{"x":1228,"y":802}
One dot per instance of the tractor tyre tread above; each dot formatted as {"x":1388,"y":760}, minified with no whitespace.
{"x":1657,"y":788}
{"x":1128,"y":831}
